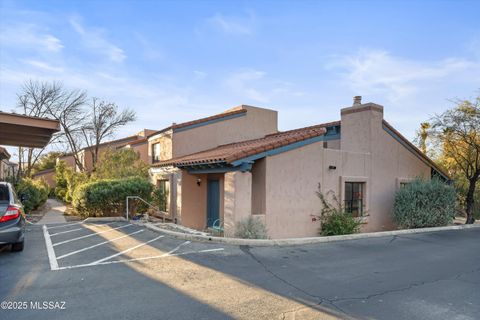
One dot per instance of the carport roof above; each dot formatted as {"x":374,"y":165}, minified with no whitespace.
{"x":25,"y":131}
{"x":229,"y":153}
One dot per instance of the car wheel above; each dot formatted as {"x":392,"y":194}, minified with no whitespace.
{"x":16,"y":247}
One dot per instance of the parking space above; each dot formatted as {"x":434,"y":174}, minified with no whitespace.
{"x":82,"y":245}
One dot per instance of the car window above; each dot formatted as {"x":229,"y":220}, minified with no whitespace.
{"x":16,"y":200}
{"x":4,"y":194}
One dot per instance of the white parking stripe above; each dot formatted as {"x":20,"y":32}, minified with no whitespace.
{"x":66,"y":231}
{"x":65,"y":225}
{"x":125,"y":251}
{"x":90,"y":235}
{"x":50,"y":251}
{"x":178,"y":247}
{"x":96,"y":245}
{"x":139,"y":259}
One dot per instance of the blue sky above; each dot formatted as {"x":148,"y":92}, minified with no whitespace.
{"x":174,"y":61}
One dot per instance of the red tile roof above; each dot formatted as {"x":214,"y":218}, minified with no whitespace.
{"x":229,"y":153}
{"x":231,"y":112}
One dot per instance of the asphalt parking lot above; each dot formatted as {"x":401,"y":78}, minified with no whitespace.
{"x":91,"y":245}
{"x":124,"y":271}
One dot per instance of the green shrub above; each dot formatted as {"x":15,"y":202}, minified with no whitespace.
{"x":107,"y":197}
{"x":67,"y":180}
{"x":424,"y":203}
{"x":119,"y":164}
{"x":251,"y":228}
{"x":160,"y":197}
{"x":36,"y":192}
{"x":338,"y":223}
{"x":334,"y":219}
{"x":61,"y":180}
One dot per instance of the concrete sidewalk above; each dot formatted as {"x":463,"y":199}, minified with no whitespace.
{"x":54,"y":213}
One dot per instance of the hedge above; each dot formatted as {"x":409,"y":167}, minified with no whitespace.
{"x":35,"y":191}
{"x":107,"y":197}
{"x":424,"y":203}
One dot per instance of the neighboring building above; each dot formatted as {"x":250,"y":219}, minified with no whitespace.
{"x":10,"y":169}
{"x":4,"y":157}
{"x":48,"y":175}
{"x":219,"y":168}
{"x":234,"y":125}
{"x":137,"y":142}
{"x":140,"y":146}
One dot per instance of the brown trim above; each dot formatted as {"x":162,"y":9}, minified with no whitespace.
{"x":27,"y":117}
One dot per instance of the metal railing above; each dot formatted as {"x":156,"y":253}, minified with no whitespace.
{"x":147,"y":203}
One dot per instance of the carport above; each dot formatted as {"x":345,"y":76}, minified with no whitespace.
{"x":25,"y":131}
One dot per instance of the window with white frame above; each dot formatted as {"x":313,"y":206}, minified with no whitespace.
{"x":155,"y":152}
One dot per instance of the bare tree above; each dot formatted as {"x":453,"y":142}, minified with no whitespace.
{"x":35,"y":100}
{"x":457,"y":133}
{"x":102,"y":122}
{"x":42,"y":99}
{"x":69,"y":111}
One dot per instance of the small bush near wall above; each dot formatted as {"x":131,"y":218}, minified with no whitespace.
{"x":424,"y":203}
{"x":35,"y":191}
{"x":251,"y":228}
{"x":334,"y":219}
{"x":107,"y":197}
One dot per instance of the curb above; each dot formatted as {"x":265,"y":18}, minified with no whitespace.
{"x":299,"y":241}
{"x":104,"y":219}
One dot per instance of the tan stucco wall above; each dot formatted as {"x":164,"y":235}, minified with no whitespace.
{"x":259,"y":187}
{"x":69,"y":160}
{"x":390,"y":161}
{"x":256,"y":123}
{"x":379,"y":161}
{"x":194,"y":201}
{"x":142,"y":150}
{"x":237,"y":199}
{"x":48,"y":176}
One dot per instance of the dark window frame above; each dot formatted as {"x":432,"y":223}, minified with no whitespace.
{"x":354,"y":199}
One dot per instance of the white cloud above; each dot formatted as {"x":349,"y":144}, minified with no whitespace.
{"x":43,"y":65}
{"x":232,"y":25}
{"x":379,"y":72}
{"x":200,"y":74}
{"x":242,"y":83}
{"x":29,"y":36}
{"x":95,"y":39}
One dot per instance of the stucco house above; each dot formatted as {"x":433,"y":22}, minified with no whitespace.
{"x":137,"y":142}
{"x":219,"y":169}
{"x":178,"y":140}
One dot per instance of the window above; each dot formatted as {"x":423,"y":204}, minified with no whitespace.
{"x":163,"y":189}
{"x":403,"y":184}
{"x":155,"y":152}
{"x":354,"y":198}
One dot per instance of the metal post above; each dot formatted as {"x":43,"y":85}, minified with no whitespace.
{"x":127,"y":208}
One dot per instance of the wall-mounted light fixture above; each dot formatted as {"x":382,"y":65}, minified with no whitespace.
{"x":199,"y":182}
{"x":332,"y":167}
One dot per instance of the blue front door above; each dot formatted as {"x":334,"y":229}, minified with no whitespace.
{"x":213,"y":202}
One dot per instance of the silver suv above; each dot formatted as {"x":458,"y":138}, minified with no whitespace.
{"x":12,"y":218}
